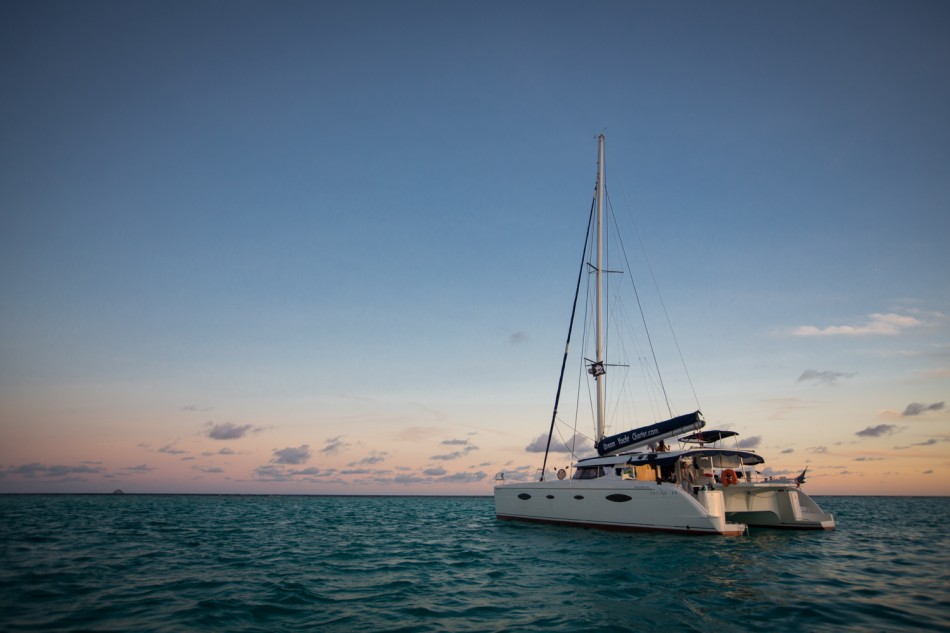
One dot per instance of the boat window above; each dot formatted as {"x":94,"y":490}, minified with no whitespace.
{"x":667,"y":473}
{"x":589,"y":472}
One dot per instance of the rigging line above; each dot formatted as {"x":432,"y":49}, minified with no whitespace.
{"x":582,"y":361}
{"x":567,"y":345}
{"x":561,"y":437}
{"x":624,"y":344}
{"x":590,"y":294}
{"x":636,"y":293}
{"x":649,"y":373}
{"x":659,"y":295}
{"x":574,"y":436}
{"x":638,"y":354}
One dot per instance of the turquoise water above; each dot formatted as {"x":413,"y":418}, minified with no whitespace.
{"x":235,"y":563}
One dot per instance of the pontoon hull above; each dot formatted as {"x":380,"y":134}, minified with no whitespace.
{"x":775,"y":506}
{"x":629,"y":506}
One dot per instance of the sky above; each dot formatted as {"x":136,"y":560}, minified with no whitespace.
{"x":330,"y":247}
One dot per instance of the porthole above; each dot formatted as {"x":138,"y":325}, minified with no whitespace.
{"x":550,"y":496}
{"x":578,"y":496}
{"x":524,"y":496}
{"x":618,"y":498}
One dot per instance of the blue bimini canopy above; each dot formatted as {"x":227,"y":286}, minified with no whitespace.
{"x":707,"y":437}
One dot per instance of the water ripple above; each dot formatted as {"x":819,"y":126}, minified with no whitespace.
{"x":161,"y":563}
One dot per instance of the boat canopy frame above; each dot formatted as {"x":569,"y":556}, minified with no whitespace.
{"x":707,"y":437}
{"x":746,"y":458}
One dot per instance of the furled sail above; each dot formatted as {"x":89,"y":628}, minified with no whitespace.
{"x":650,"y":434}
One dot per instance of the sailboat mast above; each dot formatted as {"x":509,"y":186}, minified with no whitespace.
{"x":598,"y":372}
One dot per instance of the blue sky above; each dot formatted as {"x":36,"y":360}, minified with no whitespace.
{"x":361,"y":220}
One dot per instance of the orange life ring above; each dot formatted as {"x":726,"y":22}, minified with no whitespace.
{"x":729,"y":477}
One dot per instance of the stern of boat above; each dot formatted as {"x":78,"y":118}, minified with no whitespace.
{"x":763,"y":505}
{"x":713,"y":502}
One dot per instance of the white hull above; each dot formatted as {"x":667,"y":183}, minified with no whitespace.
{"x":775,"y":506}
{"x":665,"y":507}
{"x":616,"y":505}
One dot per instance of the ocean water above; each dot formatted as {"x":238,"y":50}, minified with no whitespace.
{"x":294,"y":563}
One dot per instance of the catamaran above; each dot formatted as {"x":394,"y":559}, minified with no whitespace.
{"x":636,"y":482}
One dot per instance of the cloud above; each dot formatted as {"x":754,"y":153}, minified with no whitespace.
{"x":41,"y":470}
{"x":929,"y":442}
{"x":374,"y":458}
{"x":195,"y":408}
{"x":448,"y":456}
{"x":466,"y":449}
{"x":271,"y":473}
{"x":334,"y":445}
{"x":879,"y":430}
{"x":28,"y":470}
{"x":463,"y":477}
{"x":750,"y":442}
{"x":916,"y":408}
{"x":538,"y":444}
{"x":927,"y":472}
{"x":869,"y":459}
{"x":875,"y":325}
{"x":229,"y":430}
{"x":788,"y":450}
{"x":438,"y":475}
{"x":517,"y":338}
{"x":290,"y":455}
{"x":171,"y":450}
{"x":358,"y":471}
{"x":823,"y":377}
{"x":141,"y":468}
{"x":409,"y":479}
